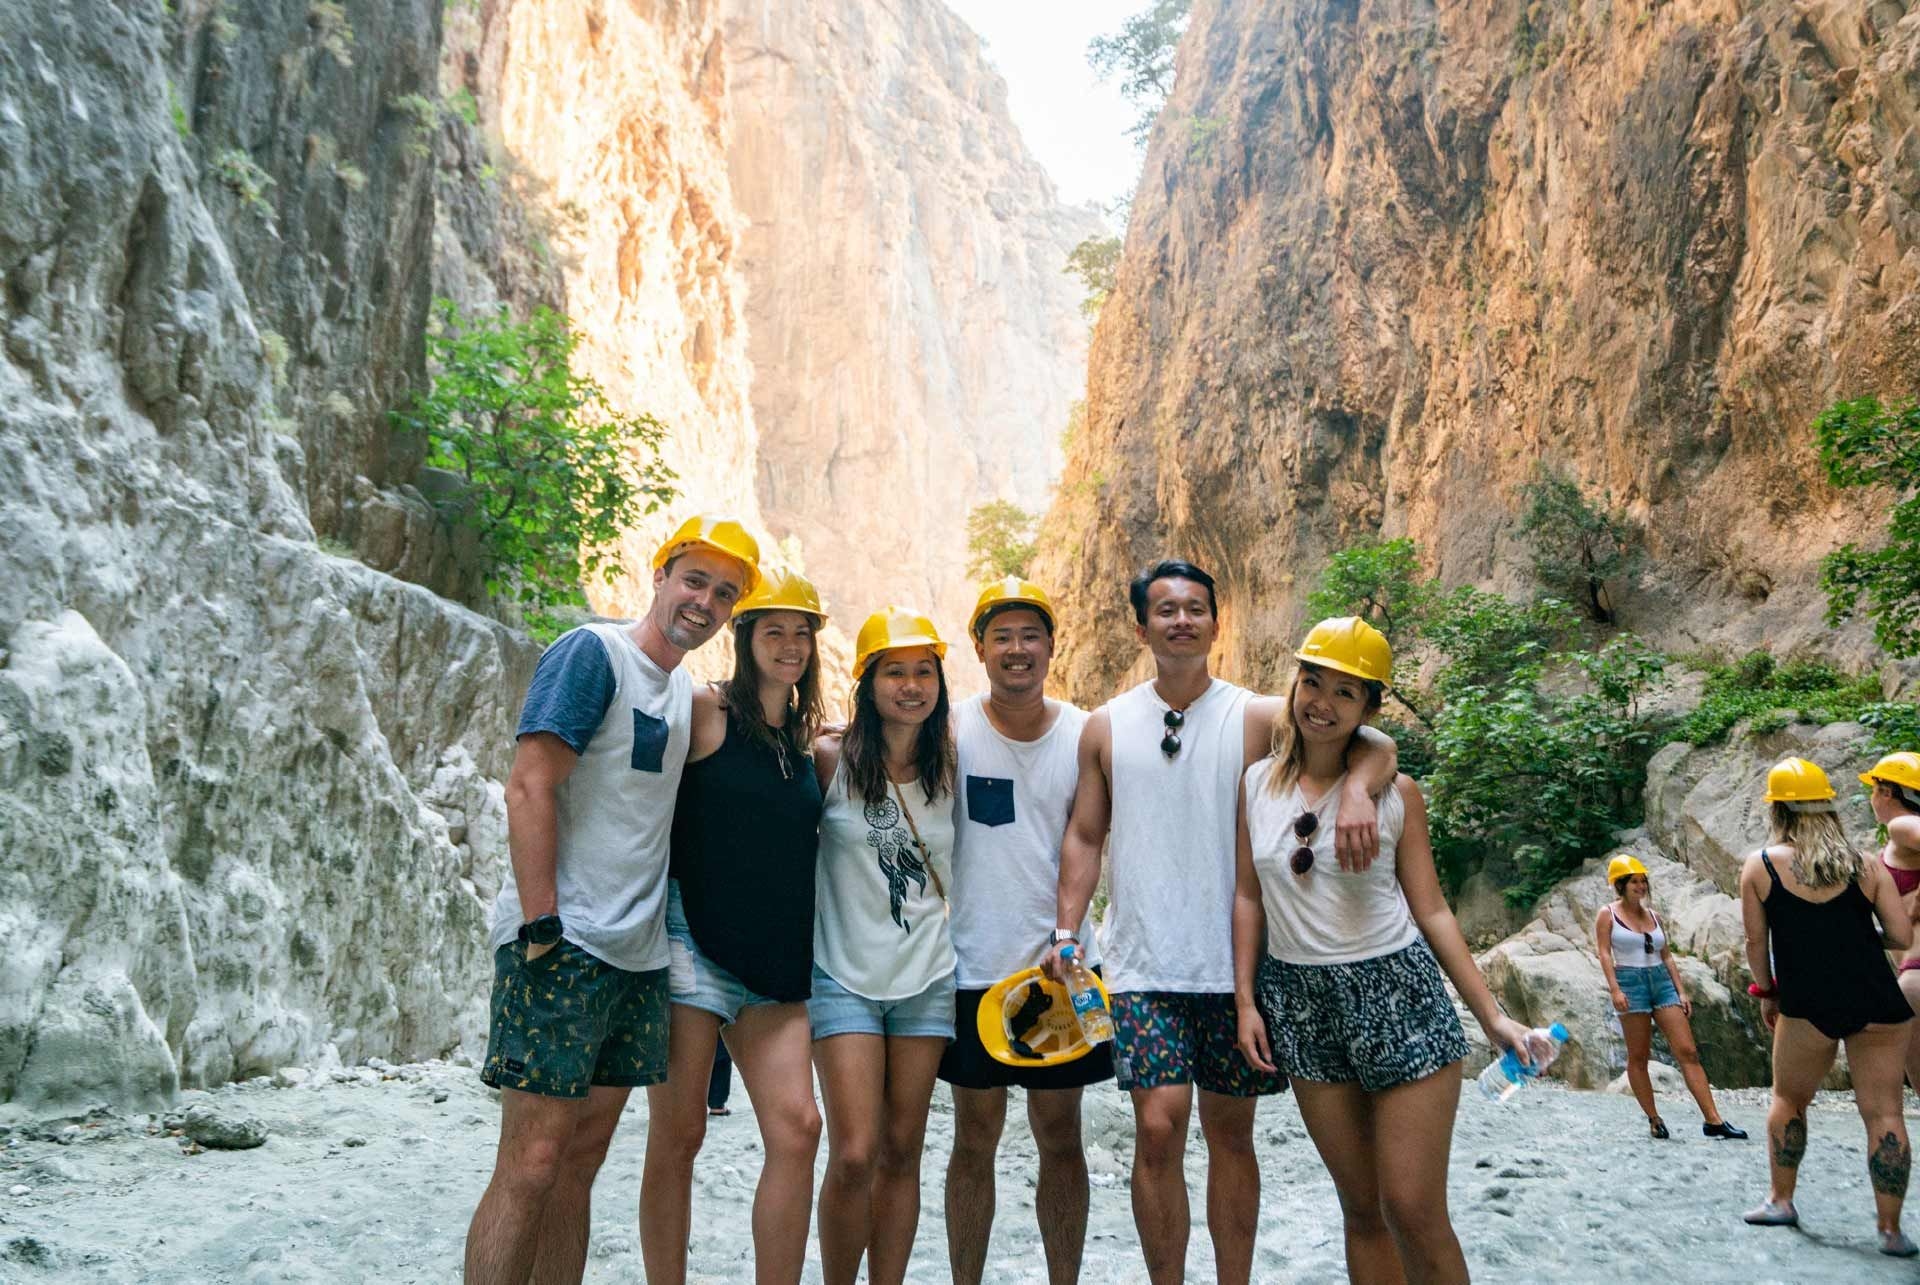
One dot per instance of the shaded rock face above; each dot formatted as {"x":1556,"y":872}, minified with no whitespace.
{"x":1386,"y":258}
{"x":916,"y":346}
{"x":248,"y":790}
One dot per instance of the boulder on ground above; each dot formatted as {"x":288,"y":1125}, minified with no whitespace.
{"x":220,"y":1132}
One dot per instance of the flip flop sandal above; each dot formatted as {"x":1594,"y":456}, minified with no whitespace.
{"x":1768,"y":1214}
{"x":1896,"y":1245}
{"x":1657,"y":1128}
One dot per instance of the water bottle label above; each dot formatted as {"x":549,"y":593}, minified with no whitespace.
{"x":1088,"y":1001}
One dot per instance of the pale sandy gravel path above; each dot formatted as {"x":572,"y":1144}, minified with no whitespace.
{"x":1557,"y":1185}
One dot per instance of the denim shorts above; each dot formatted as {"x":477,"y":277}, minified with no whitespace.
{"x":1647,"y":988}
{"x":835,"y":1010}
{"x":695,"y":980}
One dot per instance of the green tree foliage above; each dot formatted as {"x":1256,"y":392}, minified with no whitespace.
{"x":1772,"y":694}
{"x":555,"y":473}
{"x":1863,"y":443}
{"x":1380,"y":581}
{"x":1141,"y":53}
{"x":1578,"y":547}
{"x":1096,"y":261}
{"x":1000,"y":540}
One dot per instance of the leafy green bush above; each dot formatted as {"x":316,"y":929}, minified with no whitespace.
{"x":1379,"y":581}
{"x":1096,"y":261}
{"x":1579,"y":547}
{"x":555,"y":474}
{"x":1773,"y":694}
{"x":1863,"y":443}
{"x":999,"y":540}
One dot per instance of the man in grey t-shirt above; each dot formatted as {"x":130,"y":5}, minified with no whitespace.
{"x":580,"y":1002}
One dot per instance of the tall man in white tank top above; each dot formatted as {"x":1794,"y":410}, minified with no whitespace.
{"x":580,"y":994}
{"x":1159,"y":777}
{"x":1019,"y":764}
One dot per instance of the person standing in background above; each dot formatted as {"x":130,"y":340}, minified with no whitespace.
{"x":579,"y":1006}
{"x":1018,"y":765}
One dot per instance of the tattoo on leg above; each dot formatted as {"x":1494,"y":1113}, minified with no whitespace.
{"x":1791,"y":1144}
{"x":1889,"y":1165}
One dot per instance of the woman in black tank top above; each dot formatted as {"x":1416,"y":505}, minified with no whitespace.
{"x":1810,"y":904}
{"x":740,"y":931}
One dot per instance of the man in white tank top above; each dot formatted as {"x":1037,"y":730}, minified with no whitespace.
{"x":1019,"y":765}
{"x":1159,"y":776}
{"x":580,"y":996}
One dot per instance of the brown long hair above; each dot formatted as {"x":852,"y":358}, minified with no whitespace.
{"x":806,"y":707}
{"x":864,"y":750}
{"x":1285,"y":747}
{"x":1823,"y":857}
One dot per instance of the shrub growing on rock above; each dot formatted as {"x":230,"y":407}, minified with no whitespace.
{"x":1863,"y":443}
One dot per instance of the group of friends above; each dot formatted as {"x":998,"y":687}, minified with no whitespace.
{"x":697,"y":864}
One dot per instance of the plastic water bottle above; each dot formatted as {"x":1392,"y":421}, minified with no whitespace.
{"x":1096,"y":1024}
{"x":1505,"y":1075}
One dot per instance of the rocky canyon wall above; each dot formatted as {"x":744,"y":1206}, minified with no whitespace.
{"x":916,"y":346}
{"x":1389,"y":256}
{"x":248,"y":789}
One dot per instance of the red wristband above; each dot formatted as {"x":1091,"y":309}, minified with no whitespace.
{"x":1772,"y":992}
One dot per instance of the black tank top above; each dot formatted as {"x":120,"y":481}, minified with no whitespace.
{"x":1827,"y":960}
{"x":746,"y":831}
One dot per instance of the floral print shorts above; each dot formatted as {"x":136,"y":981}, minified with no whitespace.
{"x":1375,"y":1022}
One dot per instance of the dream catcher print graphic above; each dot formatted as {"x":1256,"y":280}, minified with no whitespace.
{"x":899,"y":855}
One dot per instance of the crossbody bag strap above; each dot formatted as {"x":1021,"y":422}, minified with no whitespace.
{"x":925,"y":855}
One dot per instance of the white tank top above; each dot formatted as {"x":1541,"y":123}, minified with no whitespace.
{"x":1630,"y":944}
{"x":1327,"y":915}
{"x":880,"y":923}
{"x":1008,"y":820}
{"x":1169,"y":924}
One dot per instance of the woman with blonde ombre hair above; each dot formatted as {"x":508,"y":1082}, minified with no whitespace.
{"x":1337,"y":973}
{"x":1810,"y":903}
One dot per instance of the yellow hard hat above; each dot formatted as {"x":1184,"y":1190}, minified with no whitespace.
{"x":1797,"y":781}
{"x":783,"y":591}
{"x":1902,"y":768}
{"x":722,"y":535}
{"x":1043,"y":1013}
{"x":1623,"y":865}
{"x":1350,"y":645}
{"x":890,"y":628}
{"x":1010,"y":590}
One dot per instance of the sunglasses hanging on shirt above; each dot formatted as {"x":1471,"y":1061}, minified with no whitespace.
{"x":1303,"y":827}
{"x":1170,"y":743}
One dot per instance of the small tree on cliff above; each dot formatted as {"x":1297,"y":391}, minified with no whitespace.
{"x":1000,"y":540}
{"x":1863,"y":443}
{"x":1096,"y":261}
{"x":555,"y":474}
{"x":1141,"y":51}
{"x":1578,"y":547}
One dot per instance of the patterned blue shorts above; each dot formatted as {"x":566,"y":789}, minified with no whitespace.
{"x":1377,"y":1022}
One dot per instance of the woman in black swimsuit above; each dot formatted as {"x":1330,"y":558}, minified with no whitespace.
{"x":1810,"y":902}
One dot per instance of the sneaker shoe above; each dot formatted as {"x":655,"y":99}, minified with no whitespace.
{"x":1769,"y":1214}
{"x":1723,"y":1130}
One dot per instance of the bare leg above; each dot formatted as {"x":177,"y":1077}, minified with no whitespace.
{"x":771,"y":1044}
{"x":676,"y":1128}
{"x":1233,"y":1183}
{"x":1061,"y":1198}
{"x":569,"y":1218}
{"x":1801,"y":1058}
{"x":1679,"y":1033}
{"x":1877,"y":1057}
{"x":979,"y":1116}
{"x":1413,"y":1138}
{"x":1910,"y":987}
{"x":1160,"y":1209}
{"x":1638,"y":1028}
{"x":912,"y":1062}
{"x":1339,"y":1119}
{"x":853,"y":1083}
{"x":537,"y":1137}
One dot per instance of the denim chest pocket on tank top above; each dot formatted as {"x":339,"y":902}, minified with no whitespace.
{"x":990,"y":800}
{"x":649,"y":742}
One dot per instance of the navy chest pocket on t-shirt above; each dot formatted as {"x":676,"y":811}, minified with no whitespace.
{"x":990,"y":800}
{"x":649,"y":742}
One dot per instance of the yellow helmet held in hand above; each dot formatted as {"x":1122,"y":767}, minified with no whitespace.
{"x":1027,"y":1020}
{"x":1797,"y":781}
{"x":1902,"y":768}
{"x":722,"y":535}
{"x":783,"y":591}
{"x":1623,"y":865}
{"x":1350,"y":645}
{"x":891,"y":628}
{"x":1011,"y":591}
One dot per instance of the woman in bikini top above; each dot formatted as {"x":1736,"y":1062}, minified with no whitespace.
{"x":1895,"y":782}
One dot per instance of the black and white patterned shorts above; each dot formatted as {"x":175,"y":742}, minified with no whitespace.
{"x":1376,"y":1022}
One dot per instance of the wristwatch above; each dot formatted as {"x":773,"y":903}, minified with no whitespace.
{"x":544,"y":931}
{"x":1059,"y":935}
